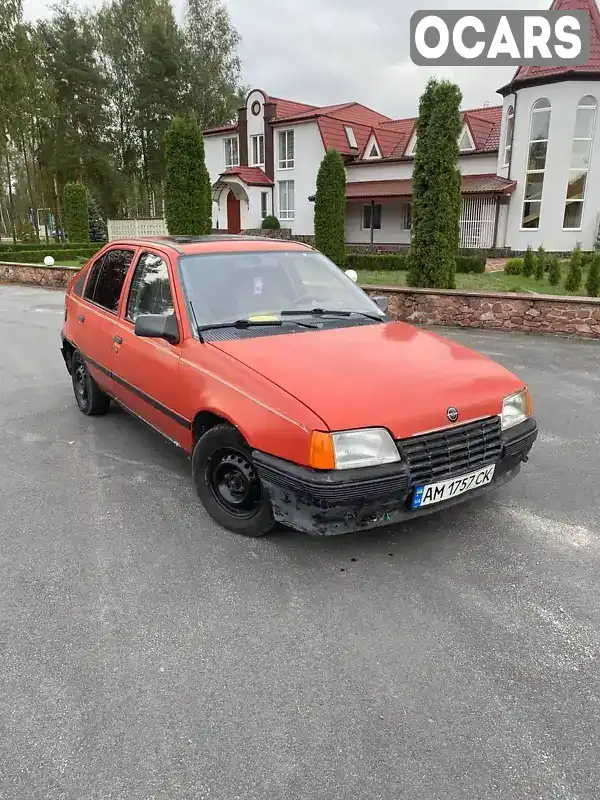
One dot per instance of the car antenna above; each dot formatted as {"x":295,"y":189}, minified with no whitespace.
{"x":196,"y":322}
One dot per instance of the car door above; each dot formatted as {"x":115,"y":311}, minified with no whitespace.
{"x":146,"y":370}
{"x":96,"y":313}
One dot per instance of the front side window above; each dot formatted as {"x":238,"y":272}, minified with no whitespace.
{"x":286,"y":149}
{"x":539,"y":131}
{"x":508,"y":137}
{"x":286,"y":200}
{"x":374,"y":219}
{"x":267,"y":282}
{"x":407,"y":216}
{"x":232,"y":152}
{"x":580,"y":162}
{"x":107,"y":277}
{"x":258,"y":150}
{"x":150,"y":288}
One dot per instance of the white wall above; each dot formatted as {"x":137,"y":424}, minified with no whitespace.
{"x":308,"y":154}
{"x":256,"y":124}
{"x":484,"y":164}
{"x":391,"y":224}
{"x":564,"y":98}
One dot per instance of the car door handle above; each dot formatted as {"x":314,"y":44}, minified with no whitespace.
{"x":81,"y":318}
{"x":117,"y":340}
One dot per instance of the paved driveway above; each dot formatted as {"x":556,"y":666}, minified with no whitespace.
{"x":146,"y":653}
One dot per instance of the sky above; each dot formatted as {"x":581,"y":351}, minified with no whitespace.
{"x":334,"y":51}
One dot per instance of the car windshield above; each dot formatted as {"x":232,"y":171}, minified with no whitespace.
{"x":226,"y":287}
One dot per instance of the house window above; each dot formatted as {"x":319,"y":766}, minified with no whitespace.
{"x":580,"y":162}
{"x":539,"y":130}
{"x":373,"y":150}
{"x":465,"y":143}
{"x":508,"y":138}
{"x":412,"y":146}
{"x":350,"y":136}
{"x":376,"y":217}
{"x":286,"y":149}
{"x":258,"y":150}
{"x":264,"y":204}
{"x":407,"y":216}
{"x":232,"y":153}
{"x":286,"y":200}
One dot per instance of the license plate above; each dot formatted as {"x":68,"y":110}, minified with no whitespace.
{"x":445,"y":490}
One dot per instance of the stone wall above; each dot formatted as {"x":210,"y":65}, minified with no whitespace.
{"x":575,"y":316}
{"x":36,"y":274}
{"x":280,"y":233}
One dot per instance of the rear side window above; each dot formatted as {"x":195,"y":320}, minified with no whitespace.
{"x":107,"y":277}
{"x":80,"y":282}
{"x":150,"y":288}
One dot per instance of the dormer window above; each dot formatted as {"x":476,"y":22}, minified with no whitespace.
{"x":372,"y":150}
{"x":465,"y":143}
{"x":412,"y":145}
{"x":351,"y":137}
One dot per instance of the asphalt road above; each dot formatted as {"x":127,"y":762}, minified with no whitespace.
{"x":146,"y":653}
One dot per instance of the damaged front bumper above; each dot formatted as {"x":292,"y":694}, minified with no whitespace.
{"x":345,"y":501}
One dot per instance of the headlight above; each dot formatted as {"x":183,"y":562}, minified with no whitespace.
{"x":351,"y":449}
{"x":364,"y":448}
{"x":516,"y":409}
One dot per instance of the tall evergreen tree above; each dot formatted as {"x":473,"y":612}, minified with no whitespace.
{"x":185,"y":192}
{"x":76,"y":212}
{"x":213,"y":88}
{"x":436,"y":188}
{"x":330,"y":208}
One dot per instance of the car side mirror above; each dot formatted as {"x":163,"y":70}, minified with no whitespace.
{"x":157,"y":326}
{"x":382,"y":302}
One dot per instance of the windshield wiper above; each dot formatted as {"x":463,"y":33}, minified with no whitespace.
{"x":330,"y":312}
{"x":242,"y":324}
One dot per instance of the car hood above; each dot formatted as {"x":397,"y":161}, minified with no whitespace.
{"x":389,"y":375}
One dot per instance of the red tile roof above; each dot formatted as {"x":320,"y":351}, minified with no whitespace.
{"x":525,"y":75}
{"x":251,"y":176}
{"x":470,"y":184}
{"x":288,"y":108}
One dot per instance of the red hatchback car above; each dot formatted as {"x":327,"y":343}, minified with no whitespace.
{"x":297,"y":398}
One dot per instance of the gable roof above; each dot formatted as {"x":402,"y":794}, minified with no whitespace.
{"x":251,"y":176}
{"x":525,"y":76}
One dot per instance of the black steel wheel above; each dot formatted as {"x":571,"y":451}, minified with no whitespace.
{"x":228,"y":484}
{"x":88,"y":395}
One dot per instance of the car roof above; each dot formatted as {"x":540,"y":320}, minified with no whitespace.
{"x":223,"y":243}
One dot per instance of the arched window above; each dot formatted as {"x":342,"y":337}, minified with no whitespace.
{"x":580,"y":162}
{"x":508,"y":135}
{"x":539,"y":130}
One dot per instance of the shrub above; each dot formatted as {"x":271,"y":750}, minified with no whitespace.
{"x":26,"y":232}
{"x":574,"y":277}
{"x":554,"y":271}
{"x":270,"y":223}
{"x":188,"y":199}
{"x":37,"y":256}
{"x":473,"y":263}
{"x":528,"y":263}
{"x":76,"y":212}
{"x":378,"y":261}
{"x":592,"y":284}
{"x":330,"y":208}
{"x":540,"y":263}
{"x":42,"y":246}
{"x":436,"y":201}
{"x":514,"y":266}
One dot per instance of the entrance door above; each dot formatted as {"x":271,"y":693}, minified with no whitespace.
{"x":234,"y":219}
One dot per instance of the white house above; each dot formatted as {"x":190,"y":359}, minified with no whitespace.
{"x":530,"y":167}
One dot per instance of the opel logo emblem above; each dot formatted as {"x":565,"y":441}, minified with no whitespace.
{"x":452,"y":414}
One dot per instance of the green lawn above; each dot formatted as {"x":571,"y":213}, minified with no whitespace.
{"x":485,"y":282}
{"x":68,"y":263}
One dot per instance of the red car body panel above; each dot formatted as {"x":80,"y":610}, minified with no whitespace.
{"x":277,"y":390}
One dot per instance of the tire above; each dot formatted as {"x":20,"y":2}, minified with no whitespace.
{"x":89,"y":396}
{"x":227,"y":483}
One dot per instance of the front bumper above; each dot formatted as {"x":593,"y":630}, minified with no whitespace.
{"x":345,"y":501}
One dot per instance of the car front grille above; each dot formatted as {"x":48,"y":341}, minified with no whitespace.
{"x":452,"y":451}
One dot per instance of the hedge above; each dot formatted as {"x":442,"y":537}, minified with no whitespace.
{"x":377,"y":261}
{"x":20,"y":247}
{"x":514,"y":266}
{"x":471,"y":263}
{"x":29,"y":257}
